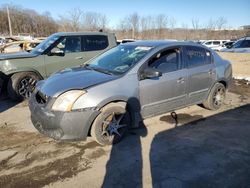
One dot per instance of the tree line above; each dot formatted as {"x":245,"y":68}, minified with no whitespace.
{"x":26,"y":21}
{"x":133,"y":25}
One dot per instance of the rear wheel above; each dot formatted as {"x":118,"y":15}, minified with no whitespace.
{"x":21,"y":85}
{"x":111,"y":124}
{"x":216,"y":97}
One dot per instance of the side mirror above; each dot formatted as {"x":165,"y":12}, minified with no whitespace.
{"x":151,"y":73}
{"x":56,"y":52}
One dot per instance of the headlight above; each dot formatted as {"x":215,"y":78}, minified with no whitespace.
{"x":66,"y":100}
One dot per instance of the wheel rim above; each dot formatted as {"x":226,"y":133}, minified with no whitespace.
{"x":26,"y":87}
{"x":113,"y":126}
{"x":219,"y":96}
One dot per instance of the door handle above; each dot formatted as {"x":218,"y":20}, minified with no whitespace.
{"x":181,"y":80}
{"x":210,"y":71}
{"x":79,"y":58}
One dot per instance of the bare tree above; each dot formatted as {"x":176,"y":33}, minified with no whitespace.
{"x":27,"y":21}
{"x":93,"y":21}
{"x":75,"y":18}
{"x":161,"y":21}
{"x":196,"y":23}
{"x":133,"y":19}
{"x":221,"y":23}
{"x":72,"y":20}
{"x":185,"y":30}
{"x":172,"y":23}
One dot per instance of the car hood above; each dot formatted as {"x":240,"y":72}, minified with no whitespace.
{"x":17,"y":55}
{"x":75,"y":78}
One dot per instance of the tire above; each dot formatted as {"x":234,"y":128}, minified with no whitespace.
{"x":216,"y":97}
{"x":104,"y":127}
{"x":21,"y":85}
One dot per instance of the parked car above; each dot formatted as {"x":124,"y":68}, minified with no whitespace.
{"x":19,"y":46}
{"x":126,"y":84}
{"x":226,"y":45}
{"x":241,"y":46}
{"x":20,"y":71}
{"x":214,"y":43}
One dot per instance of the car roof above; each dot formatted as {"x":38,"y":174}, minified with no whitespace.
{"x":80,"y":33}
{"x":161,"y":43}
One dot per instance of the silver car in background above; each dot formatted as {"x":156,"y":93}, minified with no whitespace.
{"x":123,"y":86}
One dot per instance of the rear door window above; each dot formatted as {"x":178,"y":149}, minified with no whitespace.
{"x":94,"y":42}
{"x":196,"y":56}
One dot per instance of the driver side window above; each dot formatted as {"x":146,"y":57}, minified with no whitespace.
{"x":166,"y":61}
{"x":69,"y":44}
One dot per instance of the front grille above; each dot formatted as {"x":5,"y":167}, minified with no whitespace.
{"x":41,"y":98}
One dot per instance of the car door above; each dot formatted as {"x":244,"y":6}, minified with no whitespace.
{"x":70,"y":54}
{"x":201,"y":73}
{"x":167,"y":92}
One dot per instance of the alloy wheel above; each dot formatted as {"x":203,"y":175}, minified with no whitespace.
{"x":26,"y":87}
{"x":219,"y":96}
{"x":113,"y":126}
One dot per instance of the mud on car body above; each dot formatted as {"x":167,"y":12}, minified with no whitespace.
{"x":126,"y":84}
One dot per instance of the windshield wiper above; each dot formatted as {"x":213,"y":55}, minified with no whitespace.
{"x":105,"y":71}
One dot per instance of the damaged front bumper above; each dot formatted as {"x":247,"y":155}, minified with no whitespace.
{"x":72,"y":125}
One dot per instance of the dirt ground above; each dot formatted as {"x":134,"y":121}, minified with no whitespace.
{"x":205,"y":149}
{"x":240,"y":63}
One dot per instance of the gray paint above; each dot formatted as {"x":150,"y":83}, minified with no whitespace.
{"x":146,"y":97}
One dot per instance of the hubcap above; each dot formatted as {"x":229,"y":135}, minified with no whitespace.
{"x":26,"y":87}
{"x":219,"y":96}
{"x":112,"y":126}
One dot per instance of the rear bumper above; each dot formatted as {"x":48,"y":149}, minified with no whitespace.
{"x":73,"y":125}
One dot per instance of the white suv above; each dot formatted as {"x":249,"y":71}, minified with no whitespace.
{"x":214,"y":43}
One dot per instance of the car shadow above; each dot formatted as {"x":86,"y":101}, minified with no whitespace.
{"x":6,"y":103}
{"x":207,"y":152}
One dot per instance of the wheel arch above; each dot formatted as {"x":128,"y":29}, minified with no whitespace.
{"x":105,"y":105}
{"x":11,"y":73}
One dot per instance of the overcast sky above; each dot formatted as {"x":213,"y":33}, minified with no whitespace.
{"x":237,"y":12}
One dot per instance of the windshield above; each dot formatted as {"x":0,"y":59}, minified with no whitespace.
{"x":237,"y":44}
{"x":45,"y":44}
{"x":119,"y":59}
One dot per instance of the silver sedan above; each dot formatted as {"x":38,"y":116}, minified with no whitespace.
{"x":115,"y":91}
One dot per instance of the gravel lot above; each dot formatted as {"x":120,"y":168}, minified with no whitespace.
{"x":206,"y":149}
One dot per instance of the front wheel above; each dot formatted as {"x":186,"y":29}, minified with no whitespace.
{"x":21,"y":85}
{"x":216,"y":97}
{"x":111,"y":125}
